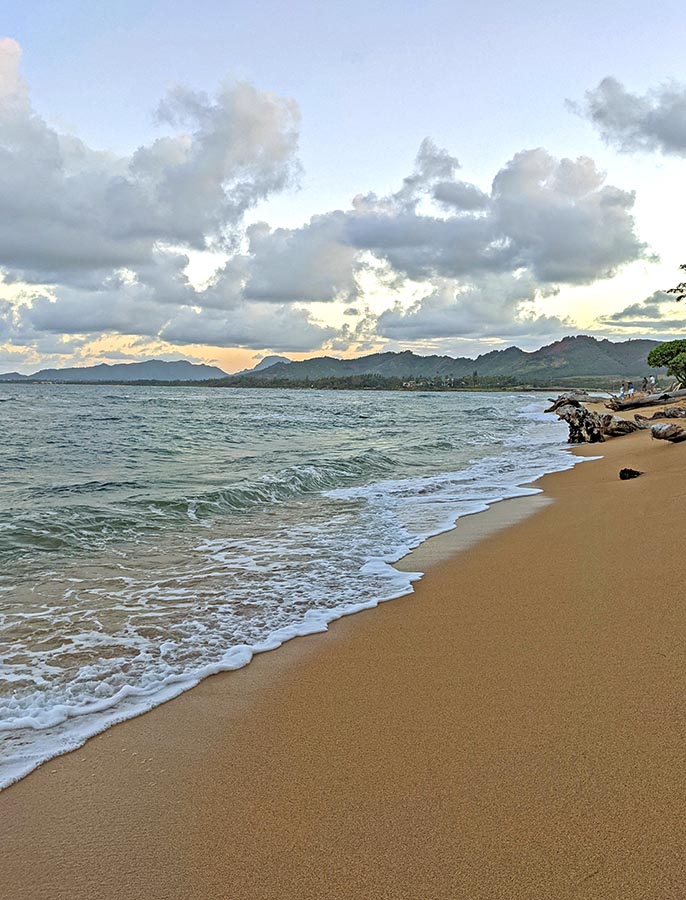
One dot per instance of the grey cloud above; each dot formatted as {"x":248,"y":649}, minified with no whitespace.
{"x":460,"y":195}
{"x":563,"y":223}
{"x":110,"y":236}
{"x":635,"y":310}
{"x":433,"y":166}
{"x":132,"y":310}
{"x":554,"y":219}
{"x":313,"y":263}
{"x":362,"y":335}
{"x":67,"y":209}
{"x":649,"y":308}
{"x":491,"y":306}
{"x":638,"y":122}
{"x":123,"y":311}
{"x":255,"y":326}
{"x":649,"y":314}
{"x":424,"y":246}
{"x":650,"y":327}
{"x":547,"y":221}
{"x":100,"y":229}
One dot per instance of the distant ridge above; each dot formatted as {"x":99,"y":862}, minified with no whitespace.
{"x":13,"y":376}
{"x":150,"y":370}
{"x":265,"y":363}
{"x":580,"y":356}
{"x":571,"y":357}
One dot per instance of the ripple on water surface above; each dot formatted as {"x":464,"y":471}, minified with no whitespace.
{"x":152,"y":536}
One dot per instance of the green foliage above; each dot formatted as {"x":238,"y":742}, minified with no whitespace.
{"x":371,"y":381}
{"x":673,"y":355}
{"x":679,"y":289}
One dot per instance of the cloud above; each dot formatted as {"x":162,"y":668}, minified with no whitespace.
{"x":254,"y":326}
{"x":131,"y":309}
{"x":545,"y":223}
{"x":630,"y":122}
{"x":100,"y":233}
{"x":313,"y":263}
{"x":561,"y":221}
{"x":652,"y":314}
{"x":493,"y":306}
{"x":650,"y":308}
{"x":11,"y":84}
{"x":68,"y":209}
{"x":460,"y":195}
{"x":555,"y":219}
{"x":102,"y":243}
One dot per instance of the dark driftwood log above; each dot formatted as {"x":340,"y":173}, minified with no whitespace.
{"x":586,"y":427}
{"x":562,"y":400}
{"x":625,"y":474}
{"x":672,"y":412}
{"x":615,"y":426}
{"x":668,"y":431}
{"x":638,"y":402}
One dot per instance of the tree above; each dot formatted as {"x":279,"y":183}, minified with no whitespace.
{"x":679,"y":289}
{"x":673,"y":355}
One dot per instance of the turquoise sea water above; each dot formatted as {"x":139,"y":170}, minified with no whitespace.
{"x":152,"y":536}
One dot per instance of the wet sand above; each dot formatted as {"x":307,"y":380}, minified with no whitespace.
{"x":516,"y":728}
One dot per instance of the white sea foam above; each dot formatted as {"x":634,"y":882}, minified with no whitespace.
{"x":131,"y":625}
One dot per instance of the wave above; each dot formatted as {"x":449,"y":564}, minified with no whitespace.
{"x":191,"y":565}
{"x":37,"y":732}
{"x":85,"y":527}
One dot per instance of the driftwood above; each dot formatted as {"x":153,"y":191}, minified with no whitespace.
{"x":586,"y":427}
{"x":649,"y":400}
{"x":615,"y":426}
{"x":672,"y":412}
{"x":625,"y":474}
{"x":668,"y":431}
{"x":570,"y":399}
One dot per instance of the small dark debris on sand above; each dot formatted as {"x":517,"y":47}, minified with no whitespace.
{"x":625,"y":474}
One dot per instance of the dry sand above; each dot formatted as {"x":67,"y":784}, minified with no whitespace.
{"x":515,"y":729}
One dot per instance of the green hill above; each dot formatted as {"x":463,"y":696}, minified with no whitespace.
{"x":572,"y":357}
{"x":150,"y":370}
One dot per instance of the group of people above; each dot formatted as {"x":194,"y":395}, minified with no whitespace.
{"x":628,"y":390}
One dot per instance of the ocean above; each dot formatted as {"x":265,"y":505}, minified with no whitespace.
{"x":151,"y":536}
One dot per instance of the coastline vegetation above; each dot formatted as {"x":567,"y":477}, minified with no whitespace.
{"x":671,"y":354}
{"x":371,"y":382}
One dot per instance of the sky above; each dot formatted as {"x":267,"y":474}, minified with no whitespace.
{"x":223,"y":181}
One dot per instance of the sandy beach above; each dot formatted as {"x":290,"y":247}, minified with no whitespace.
{"x":513,"y":729}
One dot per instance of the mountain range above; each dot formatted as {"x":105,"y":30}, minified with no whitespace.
{"x":150,"y":370}
{"x":265,"y":363}
{"x":571,"y":357}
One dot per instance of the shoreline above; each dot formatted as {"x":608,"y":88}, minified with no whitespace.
{"x":501,"y":732}
{"x":435,"y":548}
{"x":479,"y":517}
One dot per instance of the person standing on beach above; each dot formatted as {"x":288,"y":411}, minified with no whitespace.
{"x":644,"y":386}
{"x":652,"y":383}
{"x":632,"y":390}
